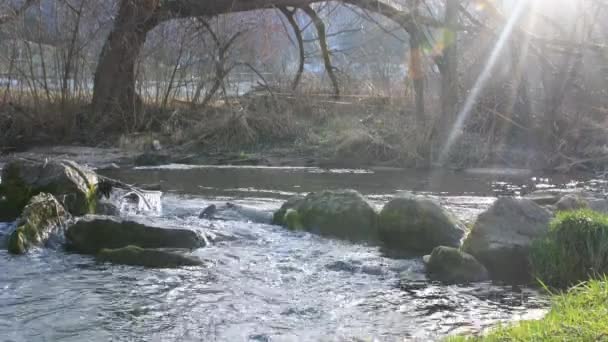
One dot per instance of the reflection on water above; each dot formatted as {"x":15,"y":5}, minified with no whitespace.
{"x":263,"y":283}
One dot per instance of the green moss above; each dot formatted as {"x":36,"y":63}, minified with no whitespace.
{"x":92,"y":199}
{"x":293,"y":220}
{"x":137,"y":256}
{"x":581,"y":314}
{"x":16,"y":242}
{"x":40,"y":217}
{"x":417,"y":225}
{"x":575,"y":249}
{"x":16,"y":192}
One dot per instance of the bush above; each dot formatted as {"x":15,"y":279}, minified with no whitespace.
{"x":579,"y":315}
{"x":575,"y":250}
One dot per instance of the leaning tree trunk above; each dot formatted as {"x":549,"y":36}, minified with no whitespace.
{"x":114,"y":85}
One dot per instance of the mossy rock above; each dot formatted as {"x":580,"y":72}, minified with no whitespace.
{"x":293,"y":220}
{"x":453,"y":266}
{"x":417,"y":225}
{"x":93,"y":233}
{"x":152,"y":258}
{"x":278,"y":217}
{"x":502,"y":237}
{"x":73,"y":185}
{"x":343,"y":214}
{"x":43,"y":216}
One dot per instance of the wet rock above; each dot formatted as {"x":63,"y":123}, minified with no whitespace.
{"x":451,"y":265}
{"x":73,"y":185}
{"x":571,"y":202}
{"x":208,"y":212}
{"x":153,"y":258}
{"x":293,"y":220}
{"x":342,"y":214}
{"x":502,"y":235}
{"x":417,"y":225}
{"x":545,"y":197}
{"x":93,"y":233}
{"x":43,"y":216}
{"x":599,"y":205}
{"x":581,"y":200}
{"x":235,"y":212}
{"x":7,"y":213}
{"x":279,"y":216}
{"x":107,"y":209}
{"x":152,"y":159}
{"x":342,"y":266}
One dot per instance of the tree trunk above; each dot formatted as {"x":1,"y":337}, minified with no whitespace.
{"x":417,"y":73}
{"x":449,"y":70}
{"x":114,"y":85}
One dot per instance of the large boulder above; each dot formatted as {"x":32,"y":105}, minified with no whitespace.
{"x":417,"y":225}
{"x":153,"y":258}
{"x":582,"y":200}
{"x":73,"y":185}
{"x":453,"y":266}
{"x":91,"y":234}
{"x":43,"y":216}
{"x":502,"y":236}
{"x":545,"y":197}
{"x":572,"y":202}
{"x":342,"y":214}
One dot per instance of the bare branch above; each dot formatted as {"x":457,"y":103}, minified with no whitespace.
{"x":320,"y":26}
{"x":17,"y":12}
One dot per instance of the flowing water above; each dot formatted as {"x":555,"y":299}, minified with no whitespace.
{"x":263,"y":283}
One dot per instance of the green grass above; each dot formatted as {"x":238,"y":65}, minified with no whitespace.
{"x":581,"y":314}
{"x":575,"y":250}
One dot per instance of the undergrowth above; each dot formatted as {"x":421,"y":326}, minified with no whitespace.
{"x":576,"y":249}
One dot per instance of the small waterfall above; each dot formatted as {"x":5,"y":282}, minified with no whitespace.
{"x":142,"y":201}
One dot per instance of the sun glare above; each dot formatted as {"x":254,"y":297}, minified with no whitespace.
{"x":471,"y":99}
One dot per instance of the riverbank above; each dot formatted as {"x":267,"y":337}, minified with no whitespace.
{"x":577,"y":315}
{"x":306,"y":130}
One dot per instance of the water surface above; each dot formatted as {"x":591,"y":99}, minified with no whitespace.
{"x":264,"y":283}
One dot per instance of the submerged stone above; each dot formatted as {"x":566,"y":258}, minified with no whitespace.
{"x":43,"y":216}
{"x":75,"y":186}
{"x":451,"y":265}
{"x":342,"y":214}
{"x":417,"y":225}
{"x":94,"y":233}
{"x":502,"y":236}
{"x":153,"y":258}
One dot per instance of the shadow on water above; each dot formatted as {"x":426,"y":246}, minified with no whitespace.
{"x":262,"y":282}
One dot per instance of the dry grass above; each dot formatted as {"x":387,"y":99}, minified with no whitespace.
{"x":353,"y":131}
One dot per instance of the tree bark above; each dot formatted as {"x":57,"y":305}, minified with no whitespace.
{"x":415,"y":69}
{"x":114,"y":84}
{"x":449,"y":70}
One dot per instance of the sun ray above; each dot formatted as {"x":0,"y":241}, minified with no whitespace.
{"x":471,"y":99}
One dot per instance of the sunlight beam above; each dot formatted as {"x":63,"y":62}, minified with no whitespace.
{"x":482,"y":79}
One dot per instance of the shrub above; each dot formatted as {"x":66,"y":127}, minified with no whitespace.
{"x":575,"y":250}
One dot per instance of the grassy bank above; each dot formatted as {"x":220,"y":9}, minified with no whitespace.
{"x":573,"y":255}
{"x":581,"y":314}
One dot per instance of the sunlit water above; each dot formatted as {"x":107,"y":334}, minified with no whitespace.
{"x":261,"y":282}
